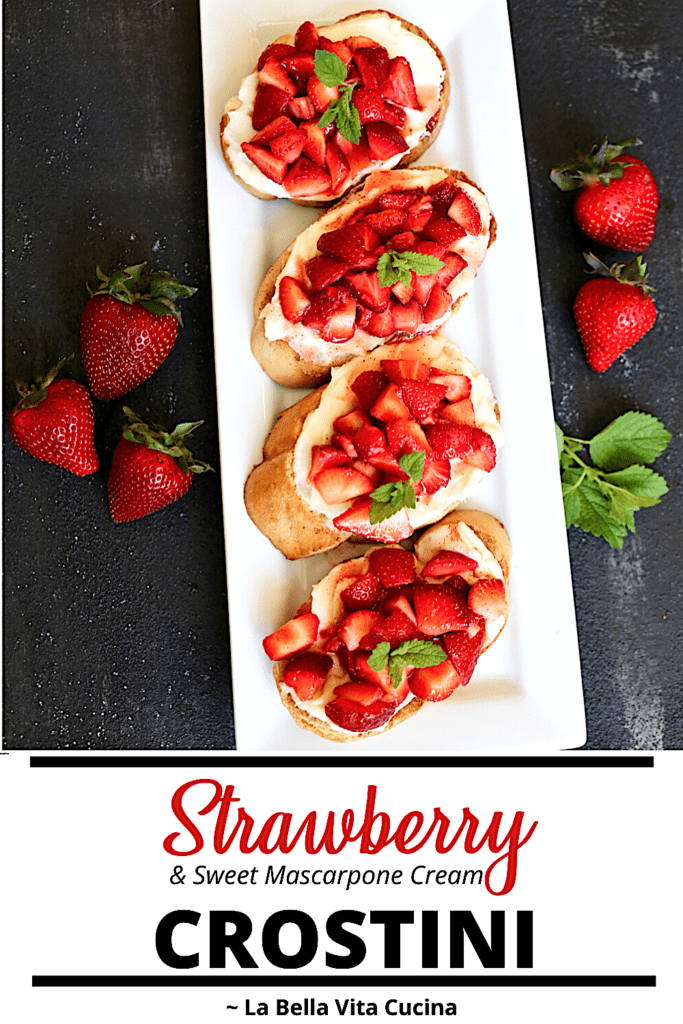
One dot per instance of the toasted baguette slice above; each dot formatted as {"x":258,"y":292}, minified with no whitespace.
{"x":401,"y":39}
{"x":469,"y":532}
{"x":298,"y":356}
{"x":283,"y":502}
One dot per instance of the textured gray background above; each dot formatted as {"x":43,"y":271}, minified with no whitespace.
{"x":115,"y":637}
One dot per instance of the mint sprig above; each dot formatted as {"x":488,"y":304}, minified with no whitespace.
{"x":332,"y":71}
{"x":390,"y":498}
{"x":394,"y":266}
{"x":411,"y":653}
{"x":602,"y":499}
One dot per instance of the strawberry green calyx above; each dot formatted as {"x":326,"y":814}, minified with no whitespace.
{"x":33,"y":394}
{"x":156,"y":292}
{"x":634,"y":273}
{"x":172,"y":444}
{"x":600,"y":165}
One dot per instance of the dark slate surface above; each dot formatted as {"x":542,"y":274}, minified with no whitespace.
{"x":115,"y":637}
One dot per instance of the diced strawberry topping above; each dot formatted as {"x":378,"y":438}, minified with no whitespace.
{"x":269,"y":103}
{"x":386,"y":222}
{"x":337,"y":164}
{"x":438,"y":304}
{"x":484,"y":455}
{"x":373,"y":64}
{"x":295,"y":636}
{"x":442,"y":194}
{"x":359,"y":692}
{"x":342,"y":483}
{"x":395,"y":629}
{"x":368,"y":386}
{"x":400,"y":370}
{"x":299,"y":66}
{"x":306,"y":673}
{"x":276,"y":50}
{"x":399,"y":86}
{"x":398,"y":602}
{"x":289,"y":146}
{"x":341,"y":49}
{"x":463,"y":653}
{"x":351,"y":243}
{"x":464,"y":212}
{"x":306,"y":36}
{"x":418,"y":215}
{"x":487,"y":598}
{"x":315,"y":146}
{"x":324,"y":270}
{"x":356,"y":718}
{"x":323,"y":305}
{"x":406,"y":436}
{"x":272,"y":166}
{"x":436,"y":474}
{"x":321,"y":95}
{"x":369,"y":442}
{"x":305,"y":179}
{"x":449,"y":563}
{"x":356,"y":625}
{"x":351,"y":422}
{"x":371,"y":471}
{"x":356,"y":519}
{"x":301,"y":108}
{"x":394,"y":566}
{"x":422,"y":397}
{"x":451,"y":441}
{"x":458,"y":412}
{"x":381,"y":324}
{"x":324,"y":456}
{"x":346,"y":445}
{"x":369,"y":104}
{"x":273,"y":73}
{"x":455,"y":264}
{"x":458,"y":384}
{"x":368,"y":291}
{"x":364,"y":592}
{"x":278,"y":126}
{"x":439,"y":609}
{"x":435,"y":682}
{"x":394,"y":115}
{"x":293,"y":299}
{"x":384,"y":140}
{"x":444,"y":230}
{"x":400,"y":199}
{"x":342,"y":323}
{"x":406,"y":319}
{"x":390,"y":406}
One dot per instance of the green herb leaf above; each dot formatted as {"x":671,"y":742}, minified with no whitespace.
{"x":380,"y":656}
{"x":390,"y":498}
{"x":633,"y":437}
{"x":413,"y":463}
{"x":411,"y":653}
{"x":394,"y":266}
{"x":329,"y":68}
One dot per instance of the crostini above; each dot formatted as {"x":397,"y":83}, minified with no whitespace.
{"x":393,"y":443}
{"x":384,"y":633}
{"x":392,"y":261}
{"x":325,"y":106}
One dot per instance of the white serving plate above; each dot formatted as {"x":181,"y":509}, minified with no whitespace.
{"x":526,"y":693}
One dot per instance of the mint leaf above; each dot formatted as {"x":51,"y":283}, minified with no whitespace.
{"x":596,"y":515}
{"x":329,"y":68}
{"x":642,"y":482}
{"x":390,"y":498}
{"x":380,"y":656}
{"x":413,"y":463}
{"x":419,"y":653}
{"x":394,"y":266}
{"x":631,"y":438}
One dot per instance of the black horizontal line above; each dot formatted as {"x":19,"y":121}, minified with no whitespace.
{"x":335,"y":761}
{"x":348,"y":981}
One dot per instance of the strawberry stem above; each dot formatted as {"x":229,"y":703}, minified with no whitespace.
{"x":600,"y":165}
{"x":173,"y":443}
{"x":156,"y":292}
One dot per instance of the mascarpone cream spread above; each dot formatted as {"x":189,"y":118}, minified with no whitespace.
{"x":306,"y":342}
{"x":339,"y":399}
{"x":428,"y":75}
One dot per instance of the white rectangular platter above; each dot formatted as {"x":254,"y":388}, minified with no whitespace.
{"x":526,"y":693}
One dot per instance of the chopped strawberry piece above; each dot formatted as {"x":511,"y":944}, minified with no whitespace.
{"x":423,"y":287}
{"x":368,"y":385}
{"x":465,"y":213}
{"x":338,"y":484}
{"x":403,"y":240}
{"x":301,"y":108}
{"x":400,"y":200}
{"x":436,"y":474}
{"x":295,"y":636}
{"x":386,"y":222}
{"x":455,"y":265}
{"x":355,"y":718}
{"x":324,"y":270}
{"x":337,"y":165}
{"x":449,"y":563}
{"x":418,"y":215}
{"x":289,"y":146}
{"x":324,"y":456}
{"x":463,"y":653}
{"x":306,"y":36}
{"x":395,"y":629}
{"x":371,"y":471}
{"x":422,"y":397}
{"x":300,"y":67}
{"x":356,"y":625}
{"x":394,"y":115}
{"x":435,"y":682}
{"x":315,"y":146}
{"x":406,"y":436}
{"x":487,"y":598}
{"x":351,"y":422}
{"x":363,"y":317}
{"x":273,"y":73}
{"x":369,"y":441}
{"x":342,"y":324}
{"x":439,"y":303}
{"x":356,"y":519}
{"x":341,"y":49}
{"x":399,"y":86}
{"x":323,"y":305}
{"x":399,"y":370}
{"x":398,"y":602}
{"x":390,"y":406}
{"x":458,"y":384}
{"x":394,"y":566}
{"x":306,"y":672}
{"x":373,"y":64}
{"x":388,"y":465}
{"x":381,"y":324}
{"x":364,"y":592}
{"x":306,"y":179}
{"x":384,"y":140}
{"x":458,"y":412}
{"x":351,"y":243}
{"x":359,"y":692}
{"x":368,"y":291}
{"x":276,"y":50}
{"x":431,"y":248}
{"x":272,"y":166}
{"x":293,"y":299}
{"x":442,"y":194}
{"x":278,"y":126}
{"x":461,"y":587}
{"x":369,"y":104}
{"x":439,"y":609}
{"x":451,"y":441}
{"x":269,"y":103}
{"x":359,"y":42}
{"x":321,"y":95}
{"x":346,"y":445}
{"x":404,"y":292}
{"x":484,"y":455}
{"x":406,"y":319}
{"x":443,"y":230}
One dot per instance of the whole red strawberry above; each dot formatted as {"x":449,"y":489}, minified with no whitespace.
{"x":54,"y":422}
{"x":614,"y":311}
{"x":150,"y":469}
{"x":618,"y":202}
{"x":129,"y":326}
